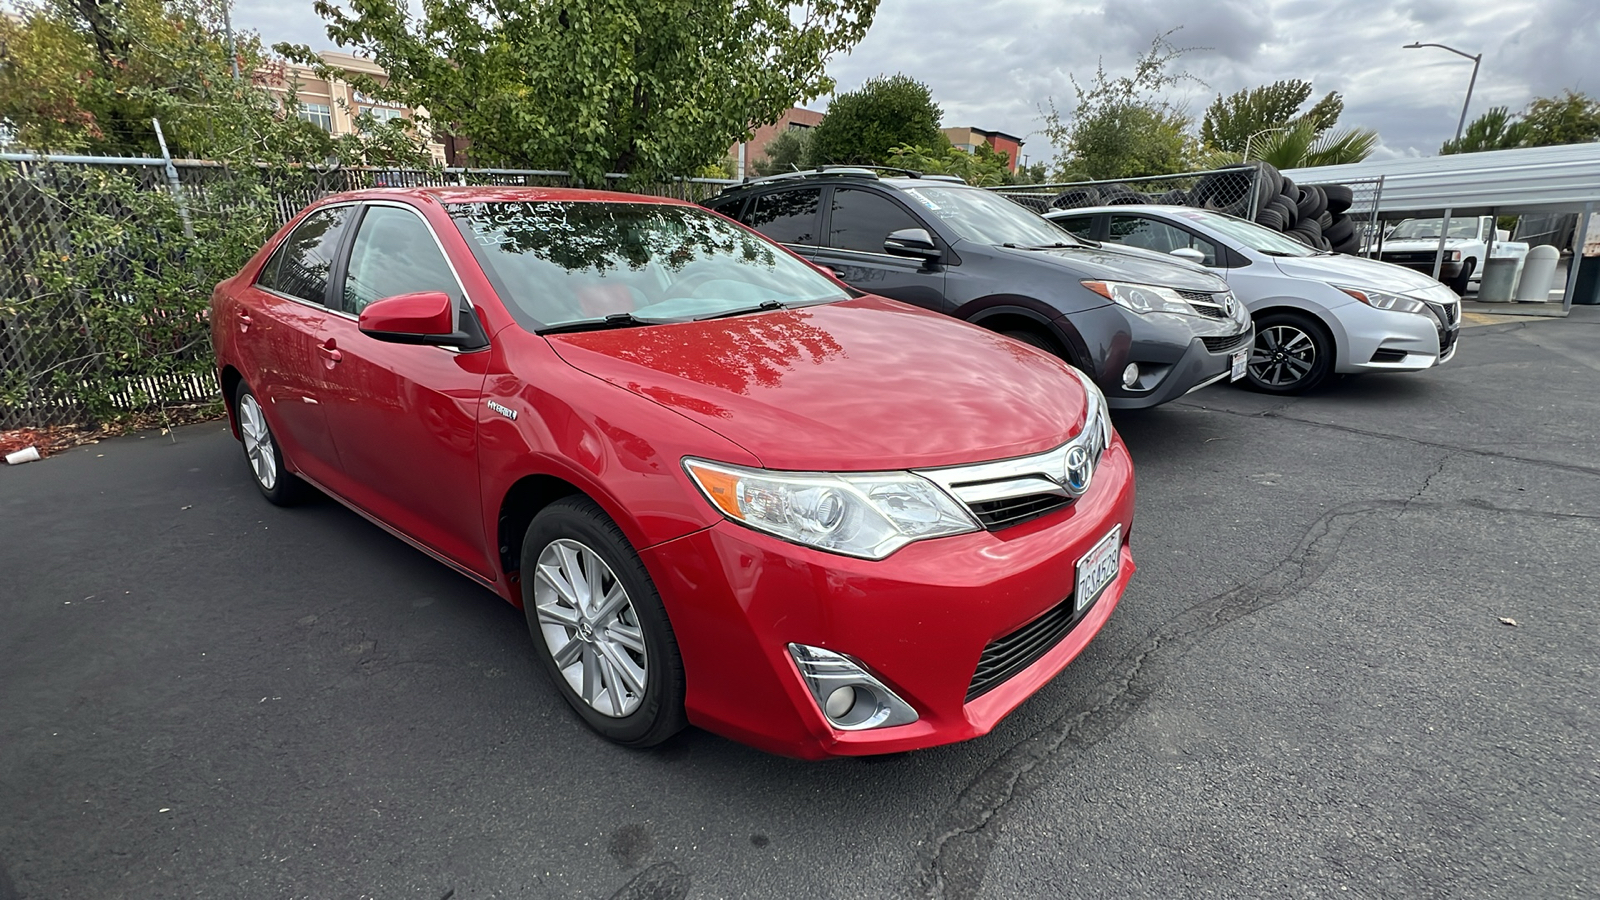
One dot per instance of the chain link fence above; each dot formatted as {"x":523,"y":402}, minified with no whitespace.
{"x":1339,"y":217}
{"x":107,"y":267}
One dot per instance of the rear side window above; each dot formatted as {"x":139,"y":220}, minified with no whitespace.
{"x":1078,"y":225}
{"x":301,"y":264}
{"x":394,"y":253}
{"x":860,"y":220}
{"x":788,"y":217}
{"x":1138,"y":231}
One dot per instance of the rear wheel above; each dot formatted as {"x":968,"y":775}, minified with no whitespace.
{"x":599,"y":626}
{"x":1292,"y":354}
{"x":1459,"y":283}
{"x":262,"y":453}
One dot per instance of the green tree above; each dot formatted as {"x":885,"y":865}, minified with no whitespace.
{"x":1571,"y":118}
{"x":864,"y":125}
{"x":1230,"y":122}
{"x":784,"y":153}
{"x":984,"y":166}
{"x":653,"y":88}
{"x":1301,"y":146}
{"x":1126,"y":126}
{"x":90,"y":75}
{"x":1496,"y":129}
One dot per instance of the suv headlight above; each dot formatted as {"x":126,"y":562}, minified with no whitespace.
{"x":1384,"y":300}
{"x":865,"y":515}
{"x":1142,"y":298}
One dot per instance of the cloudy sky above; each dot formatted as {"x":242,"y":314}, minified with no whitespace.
{"x":993,"y":64}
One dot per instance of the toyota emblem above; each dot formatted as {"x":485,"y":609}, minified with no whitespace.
{"x":1078,"y":471}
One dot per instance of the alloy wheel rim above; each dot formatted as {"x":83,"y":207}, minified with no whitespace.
{"x":588,"y":621}
{"x":1282,"y":355}
{"x":258,"y":442}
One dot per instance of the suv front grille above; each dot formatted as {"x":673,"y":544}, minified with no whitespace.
{"x":1227,"y":343}
{"x":1207,"y":304}
{"x":1020,"y":649}
{"x":993,"y":514}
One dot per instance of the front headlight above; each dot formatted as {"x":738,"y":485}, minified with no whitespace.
{"x":869,"y":516}
{"x":1384,"y":300}
{"x":1142,"y":298}
{"x":1097,"y":422}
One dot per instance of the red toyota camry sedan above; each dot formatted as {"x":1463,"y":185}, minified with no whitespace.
{"x":725,"y":488}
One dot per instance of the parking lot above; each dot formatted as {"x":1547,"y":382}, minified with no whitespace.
{"x":1359,"y":658}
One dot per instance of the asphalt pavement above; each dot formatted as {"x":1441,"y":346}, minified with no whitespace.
{"x":1359,"y":659}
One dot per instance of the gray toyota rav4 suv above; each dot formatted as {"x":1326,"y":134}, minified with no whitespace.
{"x":1146,"y":329}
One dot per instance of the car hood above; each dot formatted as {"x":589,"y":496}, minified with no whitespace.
{"x":859,"y":385}
{"x":1105,"y":264}
{"x":1358,"y":271}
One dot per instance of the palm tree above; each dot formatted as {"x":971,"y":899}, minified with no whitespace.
{"x":1298,"y":146}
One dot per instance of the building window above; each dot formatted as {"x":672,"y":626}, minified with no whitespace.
{"x":798,"y":126}
{"x":382,"y":114}
{"x":318,"y":114}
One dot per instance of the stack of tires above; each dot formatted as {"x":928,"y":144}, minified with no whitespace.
{"x":1315,"y":214}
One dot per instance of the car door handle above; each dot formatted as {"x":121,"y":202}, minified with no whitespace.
{"x":244,"y":320}
{"x":330,"y":350}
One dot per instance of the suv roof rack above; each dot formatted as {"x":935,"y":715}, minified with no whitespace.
{"x":856,"y":171}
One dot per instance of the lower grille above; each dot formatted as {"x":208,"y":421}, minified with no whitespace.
{"x":1388,"y":356}
{"x":1010,"y":511}
{"x":1227,"y":343}
{"x":1020,"y":649}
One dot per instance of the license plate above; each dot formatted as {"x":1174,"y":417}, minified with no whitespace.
{"x":1239,"y":359}
{"x":1098,"y":568}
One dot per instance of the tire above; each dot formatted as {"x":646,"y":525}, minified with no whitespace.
{"x":1340,"y":231}
{"x":1312,"y":202}
{"x":1286,"y":209}
{"x":262,"y":455}
{"x":1271,"y":217}
{"x":1292,"y":354}
{"x":1076,"y":198}
{"x":1173,"y":198}
{"x":1459,"y":283}
{"x":1340,"y":197}
{"x":626,"y":659}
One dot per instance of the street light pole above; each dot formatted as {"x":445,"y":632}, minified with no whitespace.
{"x":1476,"y":61}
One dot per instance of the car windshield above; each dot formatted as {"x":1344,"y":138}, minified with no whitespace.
{"x":985,"y":217}
{"x":563,"y":263}
{"x":1417,"y":229}
{"x":1254,"y":237}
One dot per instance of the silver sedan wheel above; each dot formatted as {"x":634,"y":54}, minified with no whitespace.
{"x":1283,"y":355}
{"x":258,"y":442}
{"x":591,"y":627}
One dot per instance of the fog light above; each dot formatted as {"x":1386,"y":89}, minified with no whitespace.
{"x":1130,"y":375}
{"x":839,"y":702}
{"x":848,"y":695}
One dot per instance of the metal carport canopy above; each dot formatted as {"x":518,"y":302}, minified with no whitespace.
{"x":1535,"y":179}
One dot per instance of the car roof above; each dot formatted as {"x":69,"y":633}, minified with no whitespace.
{"x":855,"y":175}
{"x":497,"y":194}
{"x":1125,"y":207}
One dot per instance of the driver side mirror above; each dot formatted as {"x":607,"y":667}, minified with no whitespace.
{"x":425,"y":317}
{"x":1190,"y":254}
{"x":916,"y":243}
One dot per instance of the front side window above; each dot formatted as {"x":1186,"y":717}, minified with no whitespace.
{"x":394,"y":253}
{"x":300,"y":265}
{"x":1081,"y":226}
{"x":862,"y":219}
{"x":1138,"y":231}
{"x":788,"y":217}
{"x":562,"y":263}
{"x":985,"y":217}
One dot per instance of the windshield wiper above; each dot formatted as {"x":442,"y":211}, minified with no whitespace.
{"x":763,"y":306}
{"x":615,"y":320}
{"x":1055,"y":246}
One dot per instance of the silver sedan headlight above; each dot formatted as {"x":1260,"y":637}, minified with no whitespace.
{"x":1384,"y":299}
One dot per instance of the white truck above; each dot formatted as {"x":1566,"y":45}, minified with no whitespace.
{"x":1472,"y":239}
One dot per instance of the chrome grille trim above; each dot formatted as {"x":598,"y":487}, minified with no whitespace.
{"x":1033,"y":482}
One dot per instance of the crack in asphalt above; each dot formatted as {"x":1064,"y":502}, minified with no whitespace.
{"x":1384,"y":435}
{"x":952,"y":861}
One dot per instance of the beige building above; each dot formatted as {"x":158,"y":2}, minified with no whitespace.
{"x":334,"y":105}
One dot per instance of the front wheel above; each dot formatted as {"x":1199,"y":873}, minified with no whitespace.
{"x":599,"y":626}
{"x":1292,"y":354}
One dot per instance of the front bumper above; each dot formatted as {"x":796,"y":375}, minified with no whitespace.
{"x":918,"y":620}
{"x":1385,"y":341}
{"x":1176,"y":354}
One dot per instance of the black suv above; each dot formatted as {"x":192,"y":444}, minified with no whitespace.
{"x":1146,"y":328}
